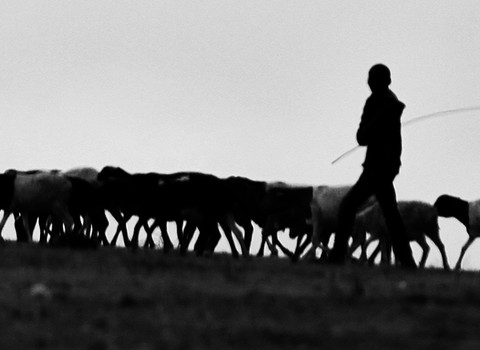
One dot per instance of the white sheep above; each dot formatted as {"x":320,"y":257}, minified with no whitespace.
{"x":468,"y":213}
{"x":420,"y":220}
{"x":325,"y":205}
{"x":36,"y":193}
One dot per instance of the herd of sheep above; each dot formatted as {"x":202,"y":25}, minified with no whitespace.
{"x":70,"y":208}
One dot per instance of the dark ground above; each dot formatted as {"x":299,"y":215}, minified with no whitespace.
{"x":113,"y":298}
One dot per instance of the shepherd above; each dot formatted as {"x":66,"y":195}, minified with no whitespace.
{"x":380,"y":132}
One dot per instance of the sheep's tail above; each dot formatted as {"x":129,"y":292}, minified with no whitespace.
{"x":416,"y":120}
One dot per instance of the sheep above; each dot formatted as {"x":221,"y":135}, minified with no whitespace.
{"x":468,"y":213}
{"x":273,"y":206}
{"x":33,"y":194}
{"x":129,"y":195}
{"x":285,"y":206}
{"x":324,"y":210}
{"x":86,"y":202}
{"x":201,"y":198}
{"x":420,"y":220}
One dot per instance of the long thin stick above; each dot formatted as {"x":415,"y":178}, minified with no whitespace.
{"x":416,"y":120}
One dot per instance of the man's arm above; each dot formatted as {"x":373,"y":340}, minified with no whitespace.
{"x":368,"y":125}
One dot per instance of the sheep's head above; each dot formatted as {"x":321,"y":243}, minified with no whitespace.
{"x":447,"y":205}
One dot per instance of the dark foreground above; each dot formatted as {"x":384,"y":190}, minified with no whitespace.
{"x":118,"y":299}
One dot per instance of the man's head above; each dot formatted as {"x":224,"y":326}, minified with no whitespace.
{"x":379,"y":77}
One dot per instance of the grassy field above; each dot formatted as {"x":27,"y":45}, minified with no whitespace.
{"x":118,"y":299}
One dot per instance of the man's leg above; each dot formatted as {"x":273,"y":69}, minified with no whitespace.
{"x":357,"y":195}
{"x":387,"y":198}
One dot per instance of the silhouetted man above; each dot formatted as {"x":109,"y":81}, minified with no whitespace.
{"x":379,"y":131}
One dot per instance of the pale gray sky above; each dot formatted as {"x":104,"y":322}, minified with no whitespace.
{"x":270,"y":90}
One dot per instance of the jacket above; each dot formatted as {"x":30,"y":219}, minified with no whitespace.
{"x":380,"y":131}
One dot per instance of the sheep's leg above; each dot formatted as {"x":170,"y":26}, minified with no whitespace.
{"x":20,"y":227}
{"x":371,"y":259}
{"x":33,"y":223}
{"x":87,"y":228}
{"x":462,"y":253}
{"x":212,"y":238}
{"x":298,"y":244}
{"x":432,"y":232}
{"x":267,"y":231}
{"x":6,"y":214}
{"x":66,"y":218}
{"x":149,"y":242}
{"x":208,"y":237}
{"x":441,"y":248}
{"x":359,"y":236}
{"x":301,"y":249}
{"x":167,"y":243}
{"x":228,"y":235}
{"x":270,"y":230}
{"x":311,"y":253}
{"x":101,"y":224}
{"x":136,"y":232}
{"x":358,"y":241}
{"x":42,"y":239}
{"x":228,"y":226}
{"x":180,"y":231}
{"x":230,"y":221}
{"x":271,"y":245}
{"x":248,"y":229}
{"x":366,"y":244}
{"x":27,"y":228}
{"x":425,"y":250}
{"x":354,"y":246}
{"x":301,"y":239}
{"x":200,"y":245}
{"x":284,"y":250}
{"x":102,"y":237}
{"x":122,"y":227}
{"x":54,"y":227}
{"x":261,"y":250}
{"x":189,"y":231}
{"x":386,"y":248}
{"x":363,"y":253}
{"x":44,"y":223}
{"x":369,"y":241}
{"x":187,"y":236}
{"x":63,"y":217}
{"x":113,"y":242}
{"x":316,"y":233}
